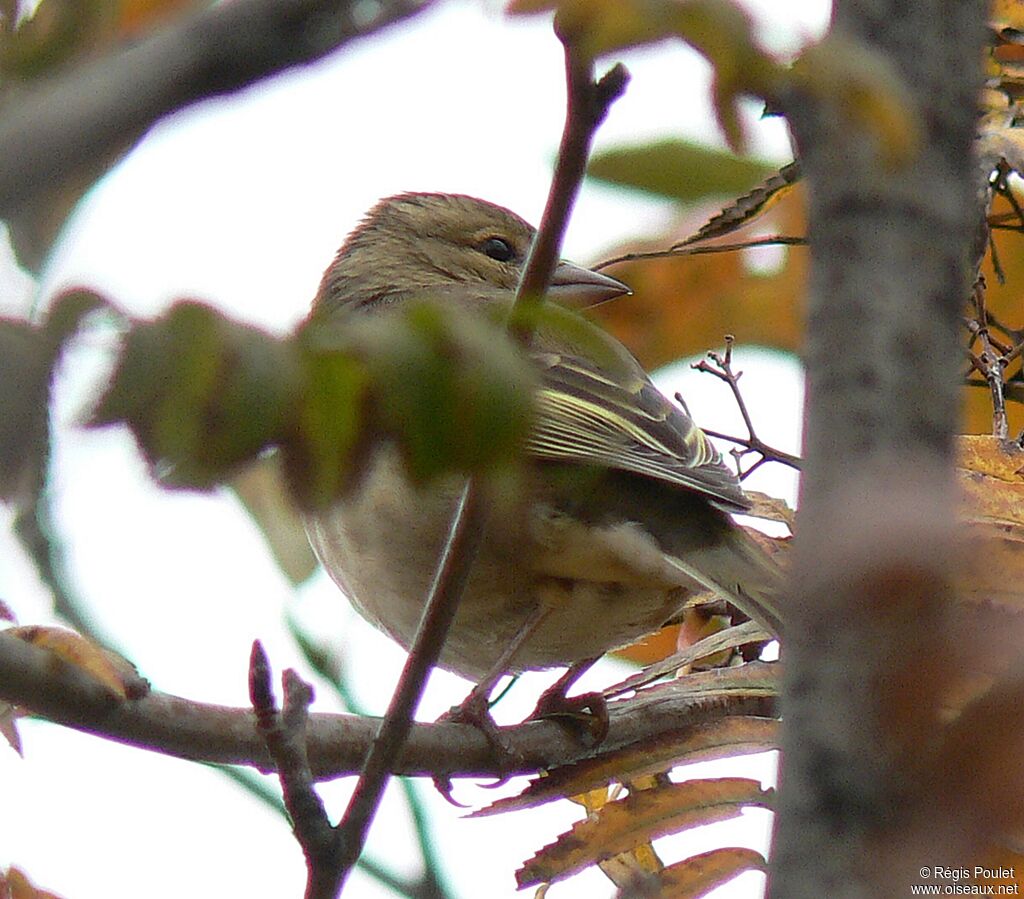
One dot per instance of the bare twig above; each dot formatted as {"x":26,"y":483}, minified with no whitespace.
{"x":680,"y":249}
{"x":722,"y":369}
{"x":991,"y":362}
{"x":588,"y":103}
{"x":67,"y":124}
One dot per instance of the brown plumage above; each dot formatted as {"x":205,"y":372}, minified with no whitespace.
{"x":625,"y":507}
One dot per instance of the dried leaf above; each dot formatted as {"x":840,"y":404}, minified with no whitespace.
{"x":697,"y":625}
{"x":991,"y":458}
{"x":729,"y":638}
{"x":639,"y":818}
{"x":108,"y":669}
{"x":683,"y":305}
{"x":991,"y":476}
{"x":15,"y":885}
{"x":770,"y":508}
{"x":699,"y":874}
{"x":867,"y":91}
{"x":262,"y":489}
{"x":722,"y":738}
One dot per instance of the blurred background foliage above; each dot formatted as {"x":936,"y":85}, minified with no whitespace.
{"x":39,"y":41}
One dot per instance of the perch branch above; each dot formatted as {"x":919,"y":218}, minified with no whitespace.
{"x":35,"y":681}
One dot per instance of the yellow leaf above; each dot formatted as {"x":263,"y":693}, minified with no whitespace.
{"x":720,"y":30}
{"x":1007,"y":14}
{"x":697,"y":624}
{"x":988,"y":457}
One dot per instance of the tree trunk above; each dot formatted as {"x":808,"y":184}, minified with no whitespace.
{"x":890,"y":274}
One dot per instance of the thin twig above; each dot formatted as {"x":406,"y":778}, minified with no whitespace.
{"x":587,"y":106}
{"x":441,"y":605}
{"x":990,"y":363}
{"x":681,"y":250}
{"x":722,"y":369}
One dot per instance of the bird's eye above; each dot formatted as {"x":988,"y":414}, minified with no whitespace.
{"x":498,"y":249}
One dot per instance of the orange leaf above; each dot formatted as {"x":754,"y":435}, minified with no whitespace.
{"x":106,"y":668}
{"x":15,"y":885}
{"x":641,"y":817}
{"x":699,"y":874}
{"x":723,"y":738}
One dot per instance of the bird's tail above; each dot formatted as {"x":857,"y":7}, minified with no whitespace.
{"x":743,"y":573}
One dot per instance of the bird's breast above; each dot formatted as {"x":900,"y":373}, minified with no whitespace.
{"x":381,"y":545}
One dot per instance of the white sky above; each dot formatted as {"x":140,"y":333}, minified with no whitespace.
{"x":242,"y":202}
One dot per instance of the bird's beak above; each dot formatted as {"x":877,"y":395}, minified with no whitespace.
{"x":579,"y":286}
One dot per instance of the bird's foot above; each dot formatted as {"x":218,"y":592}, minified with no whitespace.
{"x":586,"y":714}
{"x":475,"y":710}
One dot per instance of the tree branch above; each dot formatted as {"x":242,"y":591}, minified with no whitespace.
{"x":33,"y":679}
{"x":66,"y":123}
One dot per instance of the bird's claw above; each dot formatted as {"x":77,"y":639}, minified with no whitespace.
{"x":586,"y":714}
{"x":475,"y":711}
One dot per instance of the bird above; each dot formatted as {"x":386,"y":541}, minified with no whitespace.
{"x":625,"y":506}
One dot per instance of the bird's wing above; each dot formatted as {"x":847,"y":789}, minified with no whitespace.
{"x":585,"y":415}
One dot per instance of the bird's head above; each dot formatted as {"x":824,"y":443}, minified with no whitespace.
{"x":418,"y":242}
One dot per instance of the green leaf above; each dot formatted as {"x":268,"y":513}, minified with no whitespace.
{"x":322,"y":455}
{"x":201,"y":393}
{"x":26,"y":358}
{"x":678,"y":170}
{"x":263,"y":491}
{"x":28,"y":355}
{"x":452,"y":387}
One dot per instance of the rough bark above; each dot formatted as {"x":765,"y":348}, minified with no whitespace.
{"x":889,"y":277}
